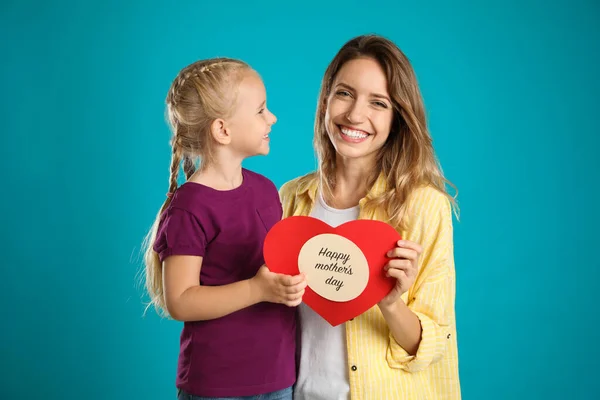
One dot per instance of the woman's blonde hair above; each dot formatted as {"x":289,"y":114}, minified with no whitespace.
{"x":407,"y":159}
{"x":202,"y":92}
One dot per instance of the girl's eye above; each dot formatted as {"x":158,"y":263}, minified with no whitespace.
{"x":262,"y":110}
{"x":381,"y":104}
{"x":343,"y":93}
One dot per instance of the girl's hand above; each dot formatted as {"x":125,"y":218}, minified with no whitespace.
{"x":279,"y":288}
{"x":402,"y":267}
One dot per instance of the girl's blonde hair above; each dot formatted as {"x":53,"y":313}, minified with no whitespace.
{"x":202,"y":92}
{"x":407,"y":159}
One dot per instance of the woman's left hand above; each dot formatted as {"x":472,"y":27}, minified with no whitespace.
{"x":403,"y":267}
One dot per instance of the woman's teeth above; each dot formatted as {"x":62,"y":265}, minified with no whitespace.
{"x":354,"y":134}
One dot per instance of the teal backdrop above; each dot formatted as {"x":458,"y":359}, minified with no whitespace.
{"x":511,"y":90}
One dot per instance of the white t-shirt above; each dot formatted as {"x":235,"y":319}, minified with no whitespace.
{"x":323,"y":373}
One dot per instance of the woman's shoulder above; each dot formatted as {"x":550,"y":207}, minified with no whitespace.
{"x":427,"y":200}
{"x":428,"y":215}
{"x":428,"y":192}
{"x":298,"y":185}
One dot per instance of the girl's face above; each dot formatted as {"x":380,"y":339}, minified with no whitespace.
{"x":251,"y":123}
{"x":359,"y":111}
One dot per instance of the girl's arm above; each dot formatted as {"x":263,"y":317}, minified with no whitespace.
{"x":187,"y":300}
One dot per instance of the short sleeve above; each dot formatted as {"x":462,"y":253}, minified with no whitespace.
{"x":179,"y":233}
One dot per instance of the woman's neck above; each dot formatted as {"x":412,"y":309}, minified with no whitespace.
{"x":352,"y":177}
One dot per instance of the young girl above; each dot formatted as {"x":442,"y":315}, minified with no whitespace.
{"x":204,"y":263}
{"x":376,"y":161}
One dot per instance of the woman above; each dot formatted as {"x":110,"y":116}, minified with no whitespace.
{"x":376,"y":161}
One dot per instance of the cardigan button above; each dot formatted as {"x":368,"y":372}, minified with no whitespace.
{"x":354,"y":368}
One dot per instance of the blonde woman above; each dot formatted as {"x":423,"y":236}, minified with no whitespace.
{"x":376,"y":161}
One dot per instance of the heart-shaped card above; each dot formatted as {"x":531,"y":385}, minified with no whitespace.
{"x":343,"y":265}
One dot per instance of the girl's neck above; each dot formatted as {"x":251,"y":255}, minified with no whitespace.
{"x":222,"y":173}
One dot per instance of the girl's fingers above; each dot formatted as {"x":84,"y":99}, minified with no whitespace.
{"x":296,"y":288}
{"x":289,"y":280}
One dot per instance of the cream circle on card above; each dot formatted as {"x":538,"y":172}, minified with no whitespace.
{"x":335,"y":267}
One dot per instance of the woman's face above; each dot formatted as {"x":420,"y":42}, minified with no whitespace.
{"x":359,"y":111}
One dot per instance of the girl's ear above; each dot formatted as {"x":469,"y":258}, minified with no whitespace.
{"x":219,"y":131}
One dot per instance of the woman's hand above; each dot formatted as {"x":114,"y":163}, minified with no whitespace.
{"x":403,"y":267}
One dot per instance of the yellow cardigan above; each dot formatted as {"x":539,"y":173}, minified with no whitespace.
{"x":378,"y":367}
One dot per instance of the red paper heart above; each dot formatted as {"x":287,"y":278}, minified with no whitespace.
{"x":374,"y":238}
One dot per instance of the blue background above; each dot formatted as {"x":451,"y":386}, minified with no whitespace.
{"x":511,"y":90}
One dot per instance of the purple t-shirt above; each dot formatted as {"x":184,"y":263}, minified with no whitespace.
{"x":251,"y":351}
